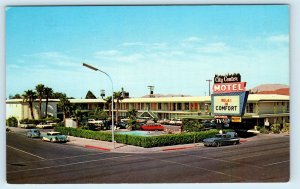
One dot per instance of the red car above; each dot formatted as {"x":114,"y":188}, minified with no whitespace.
{"x":152,"y":127}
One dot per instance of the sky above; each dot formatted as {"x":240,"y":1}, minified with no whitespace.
{"x":173,"y":48}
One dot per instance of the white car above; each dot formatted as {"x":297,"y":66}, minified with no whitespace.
{"x":27,"y":125}
{"x":54,"y":137}
{"x":43,"y":126}
{"x":95,"y":121}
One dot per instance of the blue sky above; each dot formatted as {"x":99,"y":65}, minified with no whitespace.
{"x":174,"y":48}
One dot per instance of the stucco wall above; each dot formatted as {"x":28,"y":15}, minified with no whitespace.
{"x":21,"y":110}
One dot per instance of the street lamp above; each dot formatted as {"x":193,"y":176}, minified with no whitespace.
{"x":112,"y":99}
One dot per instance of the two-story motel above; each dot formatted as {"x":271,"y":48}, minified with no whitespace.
{"x":260,"y":108}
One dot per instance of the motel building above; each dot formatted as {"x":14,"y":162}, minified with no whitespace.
{"x":260,"y":110}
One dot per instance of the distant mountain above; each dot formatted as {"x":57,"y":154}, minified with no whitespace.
{"x":271,"y":89}
{"x":168,"y":95}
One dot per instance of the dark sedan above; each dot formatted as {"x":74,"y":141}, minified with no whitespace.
{"x":229,"y":138}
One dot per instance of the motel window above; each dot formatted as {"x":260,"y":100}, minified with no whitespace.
{"x":179,"y":106}
{"x":250,"y":108}
{"x":159,"y":106}
{"x":186,"y":106}
{"x":288,"y":106}
{"x":142,"y":106}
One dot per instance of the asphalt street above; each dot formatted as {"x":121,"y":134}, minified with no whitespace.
{"x":262,"y":159}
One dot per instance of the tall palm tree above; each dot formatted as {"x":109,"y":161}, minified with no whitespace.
{"x":77,"y":113}
{"x":48,"y":93}
{"x":65,"y":105}
{"x":30,"y":96}
{"x":118,"y":96}
{"x":40,"y":88}
{"x":108,"y":104}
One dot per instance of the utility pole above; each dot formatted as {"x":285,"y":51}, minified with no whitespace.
{"x":209,"y":80}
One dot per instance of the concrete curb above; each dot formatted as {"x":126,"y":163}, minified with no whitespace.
{"x":97,"y":147}
{"x":178,"y":148}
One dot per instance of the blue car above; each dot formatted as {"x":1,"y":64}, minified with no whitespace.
{"x":33,"y":133}
{"x":230,"y":138}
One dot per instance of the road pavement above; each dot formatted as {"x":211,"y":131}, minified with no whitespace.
{"x":262,"y":158}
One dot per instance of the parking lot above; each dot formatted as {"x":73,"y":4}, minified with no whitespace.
{"x":262,"y":158}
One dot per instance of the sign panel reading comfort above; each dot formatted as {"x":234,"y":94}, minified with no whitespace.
{"x":229,"y":104}
{"x":226,"y":104}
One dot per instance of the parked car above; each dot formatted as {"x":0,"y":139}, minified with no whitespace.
{"x":44,"y":125}
{"x":177,"y":122}
{"x":93,"y":121}
{"x":152,"y":127}
{"x":54,"y":137}
{"x":122,"y":125}
{"x":209,"y":124}
{"x":27,"y":125}
{"x":33,"y":133}
{"x":230,"y":138}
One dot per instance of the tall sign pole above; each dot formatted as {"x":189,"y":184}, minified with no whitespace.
{"x":209,"y":80}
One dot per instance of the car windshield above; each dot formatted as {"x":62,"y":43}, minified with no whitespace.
{"x":54,"y":134}
{"x":36,"y":131}
{"x":220,"y":136}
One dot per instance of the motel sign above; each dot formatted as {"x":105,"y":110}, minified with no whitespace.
{"x":229,"y":97}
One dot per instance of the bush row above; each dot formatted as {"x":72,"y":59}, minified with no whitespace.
{"x":12,"y":122}
{"x":191,"y":125}
{"x":274,"y":128}
{"x":143,"y":141}
{"x":37,"y":121}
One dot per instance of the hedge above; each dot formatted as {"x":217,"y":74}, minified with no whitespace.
{"x":12,"y":122}
{"x":143,"y":141}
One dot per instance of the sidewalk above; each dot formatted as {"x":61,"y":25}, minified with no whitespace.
{"x":124,"y":148}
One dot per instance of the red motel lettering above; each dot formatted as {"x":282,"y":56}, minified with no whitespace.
{"x":229,"y":87}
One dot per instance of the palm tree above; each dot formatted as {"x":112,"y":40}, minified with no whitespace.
{"x":108,"y":104}
{"x":118,"y":96}
{"x":48,"y":93}
{"x":40,"y":94}
{"x":77,"y":113}
{"x":65,"y":105}
{"x":132,"y":114}
{"x":30,"y":96}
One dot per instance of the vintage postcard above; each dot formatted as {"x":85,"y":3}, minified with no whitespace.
{"x":147,"y":94}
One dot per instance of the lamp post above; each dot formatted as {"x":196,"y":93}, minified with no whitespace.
{"x":112,"y":99}
{"x":209,"y":80}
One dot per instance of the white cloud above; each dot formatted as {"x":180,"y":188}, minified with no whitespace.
{"x":128,"y":44}
{"x":279,"y":38}
{"x":218,"y":47}
{"x":120,"y":56}
{"x":192,"y":39}
{"x":108,"y":53}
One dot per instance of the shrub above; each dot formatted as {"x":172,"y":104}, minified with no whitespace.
{"x":12,"y":122}
{"x":37,"y":121}
{"x":286,"y":127}
{"x":143,"y":141}
{"x":264,"y":130}
{"x":275,"y":128}
{"x":191,"y":125}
